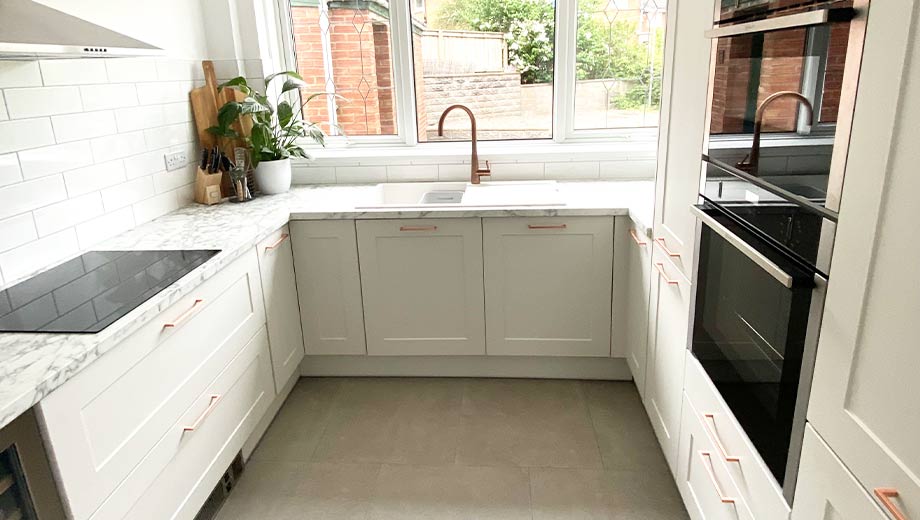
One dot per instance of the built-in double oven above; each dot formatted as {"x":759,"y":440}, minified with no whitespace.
{"x":782,"y":88}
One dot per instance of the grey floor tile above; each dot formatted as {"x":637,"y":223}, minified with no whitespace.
{"x":399,"y":421}
{"x":451,"y":492}
{"x":624,"y":433}
{"x":573,"y":494}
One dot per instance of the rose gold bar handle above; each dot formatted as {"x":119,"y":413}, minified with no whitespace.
{"x":418,"y":228}
{"x":885,"y":495}
{"x":636,"y":239}
{"x":557,"y":226}
{"x":215,"y":398}
{"x":707,"y":463}
{"x":714,"y":435}
{"x":277,"y":244}
{"x":664,"y":276}
{"x":665,"y":248}
{"x":184,"y":316}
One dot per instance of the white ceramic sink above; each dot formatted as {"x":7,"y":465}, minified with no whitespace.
{"x":465,"y":195}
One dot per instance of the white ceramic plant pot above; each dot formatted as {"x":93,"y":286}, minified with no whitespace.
{"x":273,"y":177}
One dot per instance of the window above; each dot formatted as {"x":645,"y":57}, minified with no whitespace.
{"x":395,"y":67}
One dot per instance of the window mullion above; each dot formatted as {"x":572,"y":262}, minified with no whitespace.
{"x":403,"y":70}
{"x":564,"y":70}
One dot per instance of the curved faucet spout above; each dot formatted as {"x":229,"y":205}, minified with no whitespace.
{"x":751,"y":163}
{"x":475,"y":171}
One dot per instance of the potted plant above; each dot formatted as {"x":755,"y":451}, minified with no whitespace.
{"x":276,"y":128}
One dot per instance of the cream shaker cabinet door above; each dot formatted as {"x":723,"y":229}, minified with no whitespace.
{"x":276,"y":264}
{"x":329,"y":286}
{"x":422,"y":286}
{"x":667,"y":350}
{"x":632,"y":278}
{"x":548,"y":285}
{"x":826,"y":490}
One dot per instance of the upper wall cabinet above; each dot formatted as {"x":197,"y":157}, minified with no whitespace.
{"x":276,"y":263}
{"x":326,"y":263}
{"x":548,"y":285}
{"x":680,"y":141}
{"x":863,"y":400}
{"x":422,"y":285}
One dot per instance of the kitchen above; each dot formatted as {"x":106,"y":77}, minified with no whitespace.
{"x":681,"y":301}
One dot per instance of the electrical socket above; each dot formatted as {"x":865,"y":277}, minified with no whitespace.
{"x":176,"y":160}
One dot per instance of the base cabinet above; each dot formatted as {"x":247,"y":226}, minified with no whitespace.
{"x":329,"y":286}
{"x":422,"y":286}
{"x":632,"y":281}
{"x":669,"y":312}
{"x":548,"y":285}
{"x":826,"y":489}
{"x":276,"y":264}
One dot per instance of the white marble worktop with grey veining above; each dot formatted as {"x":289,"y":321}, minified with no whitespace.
{"x":33,"y":365}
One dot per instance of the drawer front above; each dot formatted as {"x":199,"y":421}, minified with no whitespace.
{"x":702,"y":477}
{"x":105,"y":420}
{"x":276,"y":263}
{"x":188,"y":462}
{"x":754,"y":480}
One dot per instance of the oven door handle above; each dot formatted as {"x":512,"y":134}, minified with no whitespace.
{"x":790,"y":21}
{"x":756,"y":256}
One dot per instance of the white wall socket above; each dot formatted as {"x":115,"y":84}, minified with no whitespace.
{"x":176,"y":160}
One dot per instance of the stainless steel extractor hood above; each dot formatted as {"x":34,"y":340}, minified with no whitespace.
{"x":30,"y":30}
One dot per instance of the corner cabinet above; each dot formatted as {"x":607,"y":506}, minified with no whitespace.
{"x":548,"y":285}
{"x":276,"y":264}
{"x":329,"y":286}
{"x":422,"y":286}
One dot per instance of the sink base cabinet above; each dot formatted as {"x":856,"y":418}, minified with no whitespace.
{"x":422,"y":286}
{"x":548,"y":285}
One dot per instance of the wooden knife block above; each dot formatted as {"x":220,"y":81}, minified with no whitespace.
{"x":207,"y":187}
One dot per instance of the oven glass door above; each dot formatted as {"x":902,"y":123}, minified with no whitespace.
{"x":15,"y":501}
{"x":749,"y":332}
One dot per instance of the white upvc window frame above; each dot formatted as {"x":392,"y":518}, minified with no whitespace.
{"x":565,"y":136}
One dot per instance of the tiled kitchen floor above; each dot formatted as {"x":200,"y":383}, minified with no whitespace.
{"x":457,"y":448}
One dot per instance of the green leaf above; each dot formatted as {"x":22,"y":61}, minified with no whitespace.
{"x":292,"y":84}
{"x":224,"y":132}
{"x":228,"y":114}
{"x":238,"y":83}
{"x":285,"y":114}
{"x":288,"y":73}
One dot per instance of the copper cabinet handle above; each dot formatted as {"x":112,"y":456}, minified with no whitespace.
{"x":284,"y":236}
{"x":665,"y":248}
{"x":557,"y":226}
{"x":885,"y":495}
{"x":636,"y":239}
{"x":215,"y":398}
{"x":418,"y":228}
{"x":664,"y":276}
{"x":706,"y":457}
{"x":184,"y":316}
{"x":714,"y":435}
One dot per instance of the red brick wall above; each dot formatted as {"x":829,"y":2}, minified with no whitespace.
{"x":781,"y":69}
{"x":833,"y":76}
{"x":383,"y":65}
{"x":310,"y":61}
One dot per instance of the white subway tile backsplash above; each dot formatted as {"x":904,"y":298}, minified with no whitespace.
{"x":16,"y":231}
{"x":145,"y":164}
{"x":44,"y":101}
{"x":58,"y":158}
{"x":73,"y":72}
{"x":87,"y":125}
{"x":166,"y":181}
{"x":20,"y":74}
{"x":163,"y":92}
{"x":166,"y":136}
{"x":131,"y":70}
{"x":96,"y":177}
{"x":185,"y":194}
{"x":571,"y":170}
{"x":517,"y":172}
{"x":96,"y":230}
{"x":313,"y":175}
{"x":139,"y":118}
{"x":174,"y":113}
{"x":454,"y":172}
{"x":35,"y":255}
{"x":100,"y":97}
{"x":412,"y":173}
{"x":118,"y":146}
{"x":127,"y":193}
{"x":149,"y":209}
{"x":176,"y":70}
{"x":24,"y":134}
{"x":26,"y":196}
{"x":627,"y":169}
{"x":360,"y":174}
{"x":9,"y":169}
{"x":3,"y":115}
{"x":70,"y":212}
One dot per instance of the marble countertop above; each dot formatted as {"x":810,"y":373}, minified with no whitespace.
{"x":33,"y":365}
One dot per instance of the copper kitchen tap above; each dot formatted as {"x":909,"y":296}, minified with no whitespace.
{"x":475,"y":171}
{"x":752,"y":162}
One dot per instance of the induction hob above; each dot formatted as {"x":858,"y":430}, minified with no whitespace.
{"x":90,"y":292}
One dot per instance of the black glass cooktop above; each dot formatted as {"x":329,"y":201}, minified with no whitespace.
{"x":88,"y":293}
